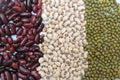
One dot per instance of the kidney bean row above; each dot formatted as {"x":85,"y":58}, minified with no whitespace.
{"x":20,"y":28}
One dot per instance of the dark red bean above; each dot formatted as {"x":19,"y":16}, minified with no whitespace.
{"x":19,"y":31}
{"x":22,"y":61}
{"x":24,"y":70}
{"x":35,"y":1}
{"x":37,"y":38}
{"x":7,"y":30}
{"x":2,"y":32}
{"x":2,"y":75}
{"x":2,"y":49}
{"x":19,"y":37}
{"x":33,"y":18}
{"x":35,"y":65}
{"x":7,"y":46}
{"x":39,"y":53}
{"x":15,"y":45}
{"x":24,"y":41}
{"x":17,"y":3}
{"x":38,"y":22}
{"x":6,"y":56}
{"x":41,"y":39}
{"x":31,"y":37}
{"x":34,"y":31}
{"x":22,"y":76}
{"x":29,"y":5}
{"x":12,"y":28}
{"x":3,"y":18}
{"x":39,"y":13}
{"x":25,"y":20}
{"x":22,"y":49}
{"x":12,"y":16}
{"x":30,"y":43}
{"x":14,"y":65}
{"x":29,"y":64}
{"x":23,"y":7}
{"x":11,"y":4}
{"x":40,"y":28}
{"x":10,"y":41}
{"x":16,"y":19}
{"x":34,"y":48}
{"x":25,"y":14}
{"x":28,"y":25}
{"x":30,"y":32}
{"x":35,"y":74}
{"x":4,"y":8}
{"x":7,"y":63}
{"x":35,"y":8}
{"x":16,"y":8}
{"x":18,"y":24}
{"x":4,"y":39}
{"x":8,"y":75}
{"x":8,"y":12}
{"x":24,"y":31}
{"x":1,"y":60}
{"x":12,"y":49}
{"x":14,"y":76}
{"x":40,"y":4}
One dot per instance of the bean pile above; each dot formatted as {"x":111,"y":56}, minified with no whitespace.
{"x":20,"y":28}
{"x":64,"y":55}
{"x":103,"y":36}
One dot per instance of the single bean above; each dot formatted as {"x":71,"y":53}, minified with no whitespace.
{"x":9,"y":12}
{"x":22,"y":49}
{"x":2,"y":33}
{"x":30,"y":32}
{"x":24,"y":41}
{"x":12,"y":16}
{"x":23,"y":7}
{"x":12,"y":28}
{"x":35,"y":9}
{"x":25,"y":20}
{"x":14,"y":76}
{"x":24,"y":70}
{"x":37,"y":38}
{"x":7,"y":46}
{"x":3,"y":18}
{"x":17,"y":19}
{"x":39,"y":12}
{"x":6,"y":56}
{"x":18,"y":24}
{"x":17,"y":3}
{"x":22,"y":76}
{"x":12,"y":49}
{"x":10,"y":69}
{"x":33,"y":18}
{"x":4,"y":39}
{"x":10,"y":41}
{"x":34,"y":31}
{"x":30,"y":43}
{"x":11,"y":4}
{"x":28,"y":25}
{"x":29,"y":5}
{"x":7,"y":63}
{"x":35,"y":74}
{"x":30,"y":37}
{"x":7,"y":30}
{"x":35,"y":65}
{"x":25,"y":14}
{"x":19,"y":31}
{"x":38,"y":22}
{"x":24,"y":31}
{"x":2,"y":76}
{"x":40,"y":28}
{"x":22,"y":61}
{"x":8,"y":75}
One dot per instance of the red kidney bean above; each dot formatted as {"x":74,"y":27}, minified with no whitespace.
{"x":37,"y":38}
{"x":14,"y":76}
{"x":24,"y":70}
{"x":25,"y":14}
{"x":2,"y":49}
{"x":3,"y":18}
{"x":38,"y":22}
{"x":22,"y":76}
{"x":7,"y":46}
{"x":10,"y":41}
{"x":2,"y":75}
{"x":22,"y":61}
{"x":15,"y":65}
{"x":30,"y":43}
{"x":30,"y":32}
{"x":22,"y":49}
{"x":16,"y":19}
{"x":35,"y":65}
{"x":11,"y":4}
{"x":40,"y":28}
{"x":23,"y":7}
{"x":11,"y":49}
{"x":39,"y":13}
{"x":29,"y":64}
{"x":18,"y":24}
{"x":7,"y":30}
{"x":12,"y":28}
{"x":39,"y":53}
{"x":4,"y":39}
{"x":34,"y":31}
{"x":34,"y":48}
{"x":19,"y":31}
{"x":19,"y":37}
{"x":24,"y":41}
{"x":35,"y":74}
{"x":4,"y":8}
{"x":28,"y":25}
{"x":25,"y":20}
{"x":29,"y":5}
{"x":40,"y":4}
{"x":31,"y":37}
{"x":33,"y":18}
{"x":41,"y":39}
{"x":8,"y":12}
{"x":7,"y":63}
{"x":15,"y":45}
{"x":2,"y":32}
{"x":8,"y":75}
{"x":12,"y":16}
{"x":17,"y":3}
{"x":1,"y":60}
{"x":35,"y":8}
{"x":24,"y":31}
{"x":16,"y":8}
{"x":6,"y":56}
{"x":35,"y":1}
